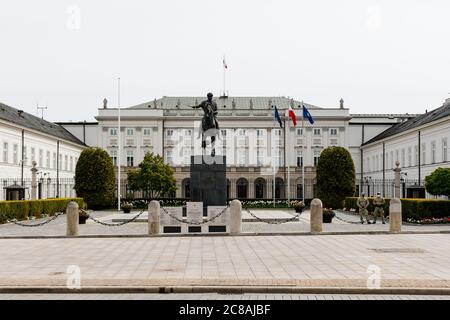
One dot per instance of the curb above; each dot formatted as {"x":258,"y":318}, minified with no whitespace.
{"x":226,"y":290}
{"x":220,"y":234}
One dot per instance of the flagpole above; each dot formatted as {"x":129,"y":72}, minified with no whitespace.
{"x":303,"y":157}
{"x":273,"y":163}
{"x":286,"y":186}
{"x":224,"y":94}
{"x":119,"y":155}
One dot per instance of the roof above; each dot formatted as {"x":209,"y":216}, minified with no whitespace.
{"x":30,"y":121}
{"x":416,"y":122}
{"x":243,"y":103}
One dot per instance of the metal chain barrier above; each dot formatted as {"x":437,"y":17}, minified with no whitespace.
{"x":195,"y":222}
{"x":271,"y":221}
{"x":116,"y":224}
{"x":31,"y":225}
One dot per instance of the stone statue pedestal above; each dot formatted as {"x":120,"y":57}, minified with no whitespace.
{"x":208,"y":181}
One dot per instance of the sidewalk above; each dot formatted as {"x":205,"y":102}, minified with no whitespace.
{"x":418,"y":263}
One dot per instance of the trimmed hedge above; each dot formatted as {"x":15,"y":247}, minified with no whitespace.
{"x":411,"y":208}
{"x":23,"y":209}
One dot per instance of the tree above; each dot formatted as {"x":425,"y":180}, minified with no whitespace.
{"x":153,"y":176}
{"x":335,"y":177}
{"x":95,"y":178}
{"x":438,"y":182}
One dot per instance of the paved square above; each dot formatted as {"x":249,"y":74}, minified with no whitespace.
{"x":404,"y":260}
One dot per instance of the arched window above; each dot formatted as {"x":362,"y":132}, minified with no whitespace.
{"x":242,"y":188}
{"x":186,"y":188}
{"x":260,"y":188}
{"x":279,"y":188}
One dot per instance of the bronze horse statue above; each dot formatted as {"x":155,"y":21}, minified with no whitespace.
{"x":209,"y":125}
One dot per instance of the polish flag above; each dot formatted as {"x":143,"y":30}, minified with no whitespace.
{"x":293,"y":116}
{"x":224,"y":63}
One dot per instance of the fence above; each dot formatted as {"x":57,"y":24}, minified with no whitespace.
{"x":46,"y":188}
{"x":409,"y":188}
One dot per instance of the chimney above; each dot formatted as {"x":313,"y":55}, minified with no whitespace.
{"x":342,"y":103}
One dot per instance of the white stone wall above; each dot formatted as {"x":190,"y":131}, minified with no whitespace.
{"x":406,"y":143}
{"x":42,"y":144}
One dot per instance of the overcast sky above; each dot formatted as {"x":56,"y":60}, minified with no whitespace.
{"x":379,"y":56}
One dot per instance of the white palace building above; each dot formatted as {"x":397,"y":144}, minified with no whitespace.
{"x":254,"y":144}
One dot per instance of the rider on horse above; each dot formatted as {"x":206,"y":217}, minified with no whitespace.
{"x":209,"y":121}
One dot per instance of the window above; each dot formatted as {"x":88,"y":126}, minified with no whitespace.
{"x":15,"y":154}
{"x":33,"y":155}
{"x":403,"y":163}
{"x":317,"y":131}
{"x":433,"y":152}
{"x":333,"y":132}
{"x":223,"y":133}
{"x":47,"y":162}
{"x":60,"y":159}
{"x":54,"y":160}
{"x":316,"y":157}
{"x":169,"y":133}
{"x":242,"y":132}
{"x":242,"y":158}
{"x":416,"y":156}
{"x":277,"y":132}
{"x":259,"y":158}
{"x":391,"y":157}
{"x":278,"y":154}
{"x":130,"y":132}
{"x":188,"y":132}
{"x":169,"y":157}
{"x":25,"y":153}
{"x":41,"y":158}
{"x":71,"y":163}
{"x":299,"y":158}
{"x":299,"y":131}
{"x":444,"y":149}
{"x":187,"y":152}
{"x":424,"y":154}
{"x":130,"y":158}
{"x":113,"y":131}
{"x":377,"y":163}
{"x":396,"y":156}
{"x":113,"y":154}
{"x":147,"y":132}
{"x":409,"y":157}
{"x":368,"y":163}
{"x":66,"y":164}
{"x":259,"y":133}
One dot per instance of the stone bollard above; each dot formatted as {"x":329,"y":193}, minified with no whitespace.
{"x":395,"y":215}
{"x":236,"y":217}
{"x":72,"y":215}
{"x":316,"y":215}
{"x":153,"y":217}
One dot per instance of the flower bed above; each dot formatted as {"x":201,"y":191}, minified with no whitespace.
{"x":429,"y":221}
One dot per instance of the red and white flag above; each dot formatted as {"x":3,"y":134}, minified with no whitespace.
{"x":293,"y":116}
{"x":224,"y":63}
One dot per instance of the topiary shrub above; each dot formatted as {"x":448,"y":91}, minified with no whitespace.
{"x":438,"y":182}
{"x":95,"y":178}
{"x":335,"y":177}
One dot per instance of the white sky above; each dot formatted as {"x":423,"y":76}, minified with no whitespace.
{"x":380,"y":56}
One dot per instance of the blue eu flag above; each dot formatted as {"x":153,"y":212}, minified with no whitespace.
{"x":277,"y":117}
{"x":307,"y":115}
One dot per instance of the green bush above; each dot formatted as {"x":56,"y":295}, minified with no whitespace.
{"x":416,"y":209}
{"x":23,"y":209}
{"x":438,"y":182}
{"x":95,"y":178}
{"x":335,"y":177}
{"x":36,"y":208}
